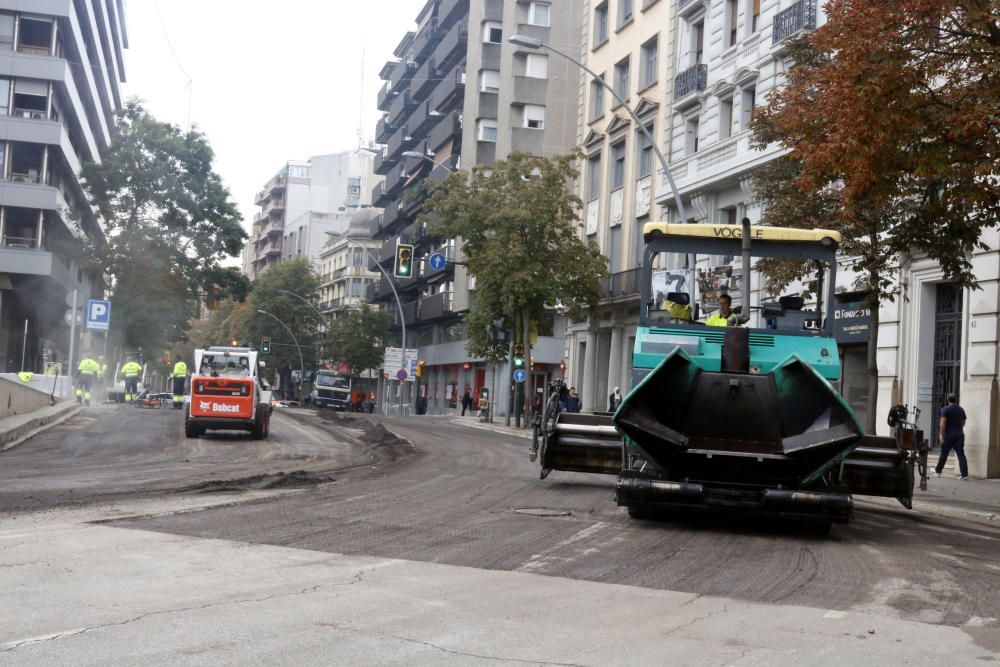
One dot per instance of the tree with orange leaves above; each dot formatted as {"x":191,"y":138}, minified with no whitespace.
{"x":891,"y":120}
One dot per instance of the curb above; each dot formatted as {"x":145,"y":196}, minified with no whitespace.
{"x":54,"y":415}
{"x":487,"y":427}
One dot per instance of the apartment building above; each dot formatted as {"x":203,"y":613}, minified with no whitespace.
{"x":629,"y":45}
{"x":304,"y":200}
{"x":61,"y":70}
{"x":345,"y":273}
{"x":457,"y":94}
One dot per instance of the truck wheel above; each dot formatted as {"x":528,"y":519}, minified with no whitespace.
{"x":259,"y":430}
{"x":191,"y":429}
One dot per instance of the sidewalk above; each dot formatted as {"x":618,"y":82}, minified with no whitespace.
{"x":17,"y":428}
{"x":497,"y":426}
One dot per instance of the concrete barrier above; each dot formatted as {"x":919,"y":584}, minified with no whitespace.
{"x":43,"y":383}
{"x":18,"y":398}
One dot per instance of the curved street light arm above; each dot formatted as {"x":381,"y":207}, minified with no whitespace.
{"x":302,"y":365}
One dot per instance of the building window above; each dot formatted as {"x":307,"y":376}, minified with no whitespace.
{"x":754,"y":16}
{"x":732,"y":15}
{"x":601,"y":23}
{"x":35,"y":36}
{"x":492,"y":33}
{"x":624,"y":12}
{"x":597,"y":98}
{"x":698,"y":42}
{"x":538,"y":13}
{"x":645,"y":150}
{"x":593,"y":177}
{"x":6,"y":32}
{"x":647,"y":63}
{"x":617,"y":166}
{"x":747,"y":104}
{"x":729,"y":216}
{"x":536,"y":66}
{"x":615,"y":249}
{"x":691,"y":136}
{"x":489,"y":81}
{"x":621,"y":78}
{"x":487,"y":130}
{"x":534,"y":116}
{"x":725,"y":118}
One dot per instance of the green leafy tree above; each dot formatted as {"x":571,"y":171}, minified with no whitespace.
{"x":519,"y":227}
{"x":168,"y":225}
{"x":358,"y":338}
{"x":890,"y":118}
{"x":296,"y":276}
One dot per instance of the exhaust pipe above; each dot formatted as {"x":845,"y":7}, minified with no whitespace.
{"x":745,"y":248}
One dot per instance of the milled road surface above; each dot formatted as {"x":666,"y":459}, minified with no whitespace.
{"x":469,"y":497}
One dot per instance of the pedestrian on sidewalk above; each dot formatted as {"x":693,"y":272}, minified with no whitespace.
{"x":572,"y":401}
{"x":615,"y":399}
{"x":952,"y":432}
{"x":466,"y":401}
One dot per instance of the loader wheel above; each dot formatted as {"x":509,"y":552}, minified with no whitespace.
{"x":259,"y":430}
{"x":192,"y":430}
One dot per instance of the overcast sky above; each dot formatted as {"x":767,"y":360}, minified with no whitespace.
{"x":271,"y":81}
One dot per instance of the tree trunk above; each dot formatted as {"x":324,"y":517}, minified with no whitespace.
{"x":873,"y":303}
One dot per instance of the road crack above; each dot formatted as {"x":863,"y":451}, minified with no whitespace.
{"x":358,"y":577}
{"x":436,"y":647}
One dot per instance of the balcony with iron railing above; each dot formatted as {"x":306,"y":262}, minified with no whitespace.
{"x":622,"y":285}
{"x":797,"y":17}
{"x":690,"y":80}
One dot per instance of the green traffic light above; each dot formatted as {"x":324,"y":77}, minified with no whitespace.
{"x":518,"y":362}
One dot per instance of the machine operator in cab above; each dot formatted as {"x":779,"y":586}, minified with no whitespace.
{"x":724,"y":316}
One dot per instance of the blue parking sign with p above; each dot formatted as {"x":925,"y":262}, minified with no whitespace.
{"x":98,"y":315}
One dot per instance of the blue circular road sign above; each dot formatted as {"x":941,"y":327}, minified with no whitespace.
{"x":401,"y":374}
{"x":436,"y":261}
{"x":520,"y":375}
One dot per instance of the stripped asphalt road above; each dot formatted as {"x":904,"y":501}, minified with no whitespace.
{"x":467,"y":496}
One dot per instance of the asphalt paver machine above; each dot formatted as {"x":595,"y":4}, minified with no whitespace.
{"x":738,"y":417}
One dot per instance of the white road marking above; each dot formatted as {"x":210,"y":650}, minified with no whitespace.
{"x":541,"y":560}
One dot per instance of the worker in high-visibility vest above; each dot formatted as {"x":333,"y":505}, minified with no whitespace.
{"x":179,"y":377}
{"x":723,"y":317}
{"x":86,"y":375}
{"x":131,"y":372}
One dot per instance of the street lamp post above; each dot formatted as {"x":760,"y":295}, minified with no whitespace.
{"x":302,"y":365}
{"x":395,"y":294}
{"x":532,"y":43}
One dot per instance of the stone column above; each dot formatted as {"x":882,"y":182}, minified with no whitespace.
{"x":615,"y":361}
{"x":589,"y":387}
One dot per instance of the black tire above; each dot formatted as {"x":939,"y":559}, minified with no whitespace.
{"x":259,"y":430}
{"x":191,"y":429}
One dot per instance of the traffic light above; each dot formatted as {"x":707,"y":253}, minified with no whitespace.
{"x":518,"y":356}
{"x":265,"y":345}
{"x":404,"y":261}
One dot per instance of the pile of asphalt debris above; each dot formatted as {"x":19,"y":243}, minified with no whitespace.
{"x":297,"y":479}
{"x":371,"y":433}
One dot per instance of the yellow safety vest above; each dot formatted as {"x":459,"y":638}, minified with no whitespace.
{"x":89,"y":367}
{"x":180,"y":369}
{"x":717,"y":321}
{"x":131,"y":370}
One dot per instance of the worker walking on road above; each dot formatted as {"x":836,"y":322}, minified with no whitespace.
{"x":131,"y":372}
{"x":952,"y":432}
{"x":86,"y":375}
{"x":179,"y":377}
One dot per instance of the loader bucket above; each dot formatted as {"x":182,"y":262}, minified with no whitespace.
{"x":582,"y":443}
{"x":703,"y":425}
